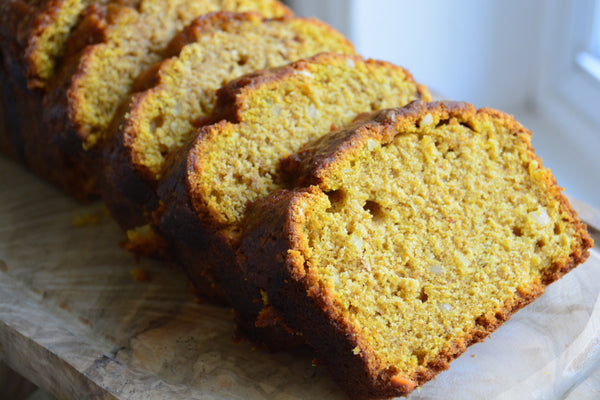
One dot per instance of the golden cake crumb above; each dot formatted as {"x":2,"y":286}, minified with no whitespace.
{"x":86,"y":219}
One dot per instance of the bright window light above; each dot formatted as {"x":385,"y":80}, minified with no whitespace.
{"x":595,"y":45}
{"x":591,"y":63}
{"x":589,"y":60}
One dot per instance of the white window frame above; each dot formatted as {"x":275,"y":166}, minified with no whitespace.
{"x":567,"y":90}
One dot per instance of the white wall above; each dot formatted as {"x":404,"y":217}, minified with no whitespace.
{"x":484,"y":52}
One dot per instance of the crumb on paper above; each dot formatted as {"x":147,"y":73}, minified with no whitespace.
{"x":140,"y":274}
{"x":143,"y":241}
{"x":264,"y":296}
{"x":86,"y":219}
{"x":473,"y":355}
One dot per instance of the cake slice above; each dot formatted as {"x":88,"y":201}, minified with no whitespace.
{"x":211,"y":51}
{"x":34,"y":37}
{"x":420,"y":231}
{"x":265,"y":115}
{"x":94,"y":82}
{"x":35,"y":34}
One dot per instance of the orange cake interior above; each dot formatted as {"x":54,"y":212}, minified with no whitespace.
{"x":134,"y":41}
{"x":226,"y":46}
{"x":278,"y":112}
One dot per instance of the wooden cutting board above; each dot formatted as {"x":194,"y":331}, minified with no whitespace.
{"x":75,"y":321}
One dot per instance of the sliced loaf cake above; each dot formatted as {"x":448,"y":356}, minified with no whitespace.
{"x":213,"y":50}
{"x":33,"y":39}
{"x":423,"y":229}
{"x":266,"y":115}
{"x":35,"y":34}
{"x":94,"y":82}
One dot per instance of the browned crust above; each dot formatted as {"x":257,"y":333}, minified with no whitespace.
{"x":31,"y":136}
{"x":90,"y":30}
{"x":27,"y":21}
{"x":47,"y":12}
{"x":36,"y":119}
{"x":217,"y":20}
{"x":129,"y":198}
{"x":178,"y":224}
{"x":272,"y":251}
{"x":231,"y":97}
{"x":27,"y":137}
{"x":206,"y":23}
{"x":272,"y":262}
{"x":22,"y":22}
{"x":109,"y":13}
{"x":17,"y":21}
{"x":314,"y":159}
{"x":50,"y":146}
{"x":11,"y":143}
{"x":56,"y":111}
{"x":223,"y":19}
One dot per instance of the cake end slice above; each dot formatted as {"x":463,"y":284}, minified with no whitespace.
{"x":419,"y":232}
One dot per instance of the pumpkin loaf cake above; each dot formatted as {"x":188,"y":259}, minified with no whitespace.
{"x":39,"y":31}
{"x":91,"y":84}
{"x":33,"y":39}
{"x":266,"y":115}
{"x":421,"y":230}
{"x":213,"y":50}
